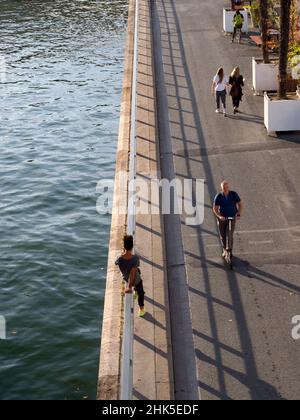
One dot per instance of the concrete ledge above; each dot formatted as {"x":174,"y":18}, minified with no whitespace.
{"x":152,"y":360}
{"x":111,"y":343}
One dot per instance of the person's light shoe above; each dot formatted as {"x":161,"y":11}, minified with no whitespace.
{"x":217,"y":111}
{"x":142,"y":313}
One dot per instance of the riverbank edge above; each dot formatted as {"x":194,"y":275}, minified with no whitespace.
{"x":109,"y":378}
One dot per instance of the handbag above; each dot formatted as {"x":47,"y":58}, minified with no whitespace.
{"x":235,"y":90}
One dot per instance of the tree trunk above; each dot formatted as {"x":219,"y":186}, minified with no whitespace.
{"x":284,"y":47}
{"x":264,"y":16}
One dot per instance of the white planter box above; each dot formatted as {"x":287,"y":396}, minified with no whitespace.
{"x":228,"y":16}
{"x":265,"y":76}
{"x":282,"y":115}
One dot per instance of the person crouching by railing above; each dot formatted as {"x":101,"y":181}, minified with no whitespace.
{"x":129,"y":265}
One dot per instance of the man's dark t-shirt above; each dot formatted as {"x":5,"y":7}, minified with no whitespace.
{"x":127,"y":265}
{"x":228,"y":204}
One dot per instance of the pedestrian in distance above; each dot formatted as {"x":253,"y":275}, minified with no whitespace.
{"x":236,"y":4}
{"x":129,"y":265}
{"x":238,"y":23}
{"x":219,"y":86}
{"x":236,"y":81}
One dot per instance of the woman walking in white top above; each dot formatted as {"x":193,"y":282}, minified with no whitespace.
{"x":220,"y":83}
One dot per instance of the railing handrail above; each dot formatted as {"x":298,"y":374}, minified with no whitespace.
{"x":127,"y":358}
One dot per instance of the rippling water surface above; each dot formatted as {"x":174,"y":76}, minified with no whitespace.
{"x":59,"y":111}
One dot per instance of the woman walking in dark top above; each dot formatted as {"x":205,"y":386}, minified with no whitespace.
{"x":236,"y":82}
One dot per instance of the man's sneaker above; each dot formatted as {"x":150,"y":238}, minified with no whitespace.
{"x":217,"y":111}
{"x":142,"y":312}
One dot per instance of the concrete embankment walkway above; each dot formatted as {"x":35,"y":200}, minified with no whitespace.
{"x":212,"y":333}
{"x":152,"y":359}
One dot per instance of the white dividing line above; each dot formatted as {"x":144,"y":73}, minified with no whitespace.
{"x":247,"y":232}
{"x":263,"y":231}
{"x":213,"y":246}
{"x":261,"y":242}
{"x":274,"y":253}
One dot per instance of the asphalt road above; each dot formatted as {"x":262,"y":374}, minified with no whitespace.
{"x":240,"y":322}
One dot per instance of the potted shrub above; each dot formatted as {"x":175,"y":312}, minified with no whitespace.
{"x":282,"y":110}
{"x":255,"y":13}
{"x":264,"y":71}
{"x":294,"y":62}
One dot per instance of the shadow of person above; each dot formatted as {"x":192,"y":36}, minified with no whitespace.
{"x":248,"y":270}
{"x":149,"y":318}
{"x":241,"y":116}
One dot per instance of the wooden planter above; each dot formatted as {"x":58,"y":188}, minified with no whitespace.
{"x":264,"y":76}
{"x":292,"y":85}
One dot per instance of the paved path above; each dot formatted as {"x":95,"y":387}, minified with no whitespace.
{"x":152,"y":359}
{"x":241,"y":321}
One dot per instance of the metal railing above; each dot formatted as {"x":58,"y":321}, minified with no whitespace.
{"x":127,"y":359}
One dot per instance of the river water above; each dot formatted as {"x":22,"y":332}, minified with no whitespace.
{"x":61,"y":64}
